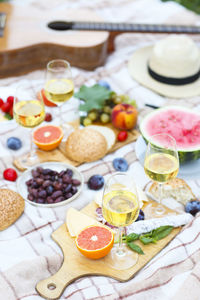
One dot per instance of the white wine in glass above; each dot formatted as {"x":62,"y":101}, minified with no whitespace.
{"x":28,"y":112}
{"x":120,"y":208}
{"x":161,"y":163}
{"x":59,"y":86}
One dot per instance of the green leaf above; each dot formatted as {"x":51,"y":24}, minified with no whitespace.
{"x":132,"y":237}
{"x":135,"y":248}
{"x":94,"y":97}
{"x":161,"y":232}
{"x":146,"y":240}
{"x":8,"y":116}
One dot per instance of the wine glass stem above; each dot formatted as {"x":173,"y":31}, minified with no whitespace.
{"x":160,"y":193}
{"x":120,"y":251}
{"x":60,"y":116}
{"x":32,"y":150}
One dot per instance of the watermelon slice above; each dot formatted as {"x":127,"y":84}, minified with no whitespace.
{"x":180,"y":122}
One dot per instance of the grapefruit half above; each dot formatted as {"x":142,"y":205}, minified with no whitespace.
{"x":47,"y":137}
{"x":95,"y":241}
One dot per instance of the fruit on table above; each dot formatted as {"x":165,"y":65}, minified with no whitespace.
{"x":104,"y":84}
{"x":124,"y":116}
{"x":47,"y":137}
{"x":192,"y":207}
{"x":95,"y":241}
{"x":10,"y":174}
{"x":10,"y":100}
{"x":14,"y":143}
{"x":49,"y":186}
{"x":96,"y":182}
{"x":48,"y":117}
{"x":122,"y":136}
{"x":6,"y":107}
{"x":120,"y":164}
{"x":181,"y":123}
{"x":141,"y":216}
{"x":45,"y":100}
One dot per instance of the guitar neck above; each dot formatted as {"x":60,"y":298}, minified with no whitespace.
{"x":129,"y":27}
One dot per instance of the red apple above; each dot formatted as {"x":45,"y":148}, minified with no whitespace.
{"x":124,"y":116}
{"x":45,"y":100}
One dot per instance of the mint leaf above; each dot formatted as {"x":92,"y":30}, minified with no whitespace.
{"x":135,"y":248}
{"x":94,"y":97}
{"x":161,"y":232}
{"x":145,"y":240}
{"x":132,"y":237}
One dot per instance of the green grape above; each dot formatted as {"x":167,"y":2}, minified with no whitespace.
{"x":93,"y":115}
{"x":107,"y":109}
{"x":124,"y":98}
{"x":113,"y":96}
{"x":105,"y":118}
{"x":87,"y":121}
{"x":117,"y":100}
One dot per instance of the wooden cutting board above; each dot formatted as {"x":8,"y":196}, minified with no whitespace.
{"x":75,"y":265}
{"x":59,"y":153}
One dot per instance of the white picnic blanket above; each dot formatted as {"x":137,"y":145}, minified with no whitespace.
{"x":27,"y":252}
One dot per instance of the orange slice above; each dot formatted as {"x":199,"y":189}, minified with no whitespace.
{"x":47,"y":137}
{"x":45,"y":100}
{"x":95,"y":241}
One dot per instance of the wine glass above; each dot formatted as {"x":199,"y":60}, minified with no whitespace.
{"x":28,"y":112}
{"x":120,"y":208}
{"x":59,"y":86}
{"x":161,"y":164}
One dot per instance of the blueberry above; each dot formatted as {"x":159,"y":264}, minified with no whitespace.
{"x":140,"y":216}
{"x":14,"y":143}
{"x":192,"y":207}
{"x":104,"y":84}
{"x":120,"y":164}
{"x":96,"y":182}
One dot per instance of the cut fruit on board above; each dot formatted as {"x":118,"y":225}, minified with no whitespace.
{"x":47,"y":137}
{"x":95,"y":241}
{"x":181,"y":123}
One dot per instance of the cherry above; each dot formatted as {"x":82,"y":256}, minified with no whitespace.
{"x":10,"y":174}
{"x":122,"y":136}
{"x":48,"y":117}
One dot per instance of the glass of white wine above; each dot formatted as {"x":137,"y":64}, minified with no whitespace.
{"x":59,"y":86}
{"x":120,"y":208}
{"x":161,"y":164}
{"x":28,"y":112}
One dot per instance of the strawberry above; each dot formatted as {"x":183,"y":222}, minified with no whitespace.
{"x":6,"y":107}
{"x":11,"y":111}
{"x":10,"y":100}
{"x":10,"y":174}
{"x":1,"y":102}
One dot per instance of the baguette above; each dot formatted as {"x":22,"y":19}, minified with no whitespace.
{"x":176,"y":188}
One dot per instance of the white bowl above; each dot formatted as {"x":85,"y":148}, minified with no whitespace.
{"x":56,"y":166}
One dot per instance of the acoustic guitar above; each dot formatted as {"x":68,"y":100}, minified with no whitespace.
{"x":31,"y":38}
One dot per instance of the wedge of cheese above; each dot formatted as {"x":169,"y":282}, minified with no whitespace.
{"x":76,"y":221}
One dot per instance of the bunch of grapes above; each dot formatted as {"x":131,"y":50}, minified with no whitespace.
{"x":104,"y":115}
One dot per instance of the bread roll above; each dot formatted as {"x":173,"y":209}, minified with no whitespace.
{"x":86,"y":145}
{"x":176,"y":188}
{"x":11,"y":207}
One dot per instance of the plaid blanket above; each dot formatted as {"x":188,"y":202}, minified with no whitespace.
{"x":27,"y":252}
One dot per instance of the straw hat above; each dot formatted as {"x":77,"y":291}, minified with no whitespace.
{"x":170,"y":68}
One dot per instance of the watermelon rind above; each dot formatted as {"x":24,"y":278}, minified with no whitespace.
{"x":185,"y":155}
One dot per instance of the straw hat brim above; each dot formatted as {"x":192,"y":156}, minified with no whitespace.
{"x":138,"y":70}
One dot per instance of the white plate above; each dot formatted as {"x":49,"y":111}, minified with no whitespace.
{"x":189,"y":170}
{"x":56,"y":166}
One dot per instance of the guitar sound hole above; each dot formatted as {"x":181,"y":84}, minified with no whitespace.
{"x":60,"y":25}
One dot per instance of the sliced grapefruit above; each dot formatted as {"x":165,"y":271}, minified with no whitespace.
{"x":47,"y":137}
{"x":95,"y":241}
{"x":45,"y":100}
